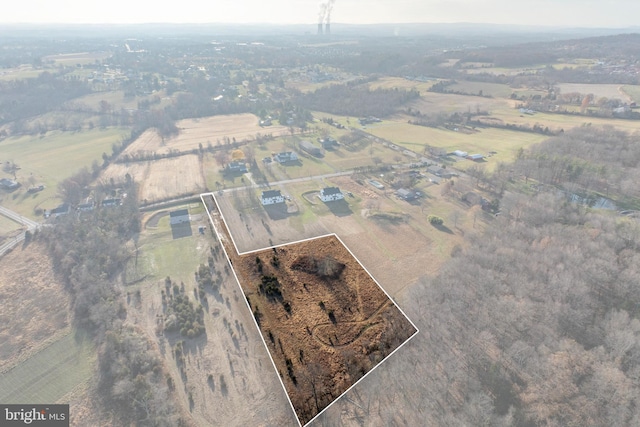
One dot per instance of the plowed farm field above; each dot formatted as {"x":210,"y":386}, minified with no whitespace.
{"x":161,"y":179}
{"x":205,"y":131}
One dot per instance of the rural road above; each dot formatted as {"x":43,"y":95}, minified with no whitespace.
{"x":289,"y":181}
{"x":30,"y":224}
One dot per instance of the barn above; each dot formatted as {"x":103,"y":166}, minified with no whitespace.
{"x":310,"y":148}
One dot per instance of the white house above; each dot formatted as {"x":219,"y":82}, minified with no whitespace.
{"x":271,"y":197}
{"x":286,"y":157}
{"x":331,"y":194}
{"x":460,"y":153}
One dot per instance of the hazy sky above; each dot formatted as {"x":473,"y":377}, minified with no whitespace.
{"x":584,"y":13}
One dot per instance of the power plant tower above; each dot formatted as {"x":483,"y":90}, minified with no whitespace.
{"x":324,"y":16}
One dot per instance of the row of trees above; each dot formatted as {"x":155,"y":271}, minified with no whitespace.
{"x":358,"y":101}
{"x":90,"y":252}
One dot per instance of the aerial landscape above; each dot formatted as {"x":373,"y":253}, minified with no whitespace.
{"x":327,"y":215}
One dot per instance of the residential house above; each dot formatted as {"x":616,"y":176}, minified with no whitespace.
{"x":236,"y":167}
{"x":331,"y":194}
{"x":407,"y":195}
{"x":63,"y":209}
{"x":286,"y":157}
{"x":108,"y":203}
{"x":9,"y":184}
{"x":271,"y":197}
{"x":178,"y":217}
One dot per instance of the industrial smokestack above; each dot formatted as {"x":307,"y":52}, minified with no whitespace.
{"x":321,"y":13}
{"x":327,"y":16}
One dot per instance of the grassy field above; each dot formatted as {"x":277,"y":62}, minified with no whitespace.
{"x":50,"y":374}
{"x":72,"y":59}
{"x":50,"y":159}
{"x":505,"y":142}
{"x":633,"y":91}
{"x":7,"y":225}
{"x":22,"y":72}
{"x":163,"y":256}
{"x":492,"y":89}
{"x":598,"y":90}
{"x":562,"y":121}
{"x":400,"y":83}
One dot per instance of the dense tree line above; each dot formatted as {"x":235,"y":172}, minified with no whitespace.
{"x":90,"y":251}
{"x":535,"y":322}
{"x":587,"y":160}
{"x":22,"y":99}
{"x":356,"y":100}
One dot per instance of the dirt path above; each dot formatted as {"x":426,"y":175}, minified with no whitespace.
{"x":366,"y":323}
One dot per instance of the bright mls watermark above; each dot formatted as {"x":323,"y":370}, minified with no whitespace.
{"x":36,"y":415}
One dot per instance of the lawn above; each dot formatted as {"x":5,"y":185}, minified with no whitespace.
{"x":162,"y":256}
{"x":50,"y":374}
{"x":51,"y":158}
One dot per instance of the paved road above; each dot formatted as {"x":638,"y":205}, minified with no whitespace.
{"x":288,"y":181}
{"x":30,"y":224}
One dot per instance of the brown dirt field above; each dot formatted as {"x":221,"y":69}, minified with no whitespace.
{"x":203,"y":131}
{"x":35,"y":306}
{"x":231,"y":351}
{"x":318,"y":355}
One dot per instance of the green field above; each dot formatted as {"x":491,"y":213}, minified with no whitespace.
{"x":19,"y":73}
{"x":505,"y":142}
{"x":162,"y":256}
{"x":50,"y":159}
{"x":50,"y":374}
{"x":556,"y":122}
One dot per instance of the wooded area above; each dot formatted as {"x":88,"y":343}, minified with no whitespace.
{"x":536,"y":322}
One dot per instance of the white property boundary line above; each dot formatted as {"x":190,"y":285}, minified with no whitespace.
{"x":256,"y":323}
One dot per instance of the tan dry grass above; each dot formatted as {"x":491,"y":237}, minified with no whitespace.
{"x":35,"y":305}
{"x":161,"y":179}
{"x":205,"y":131}
{"x":173,"y":177}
